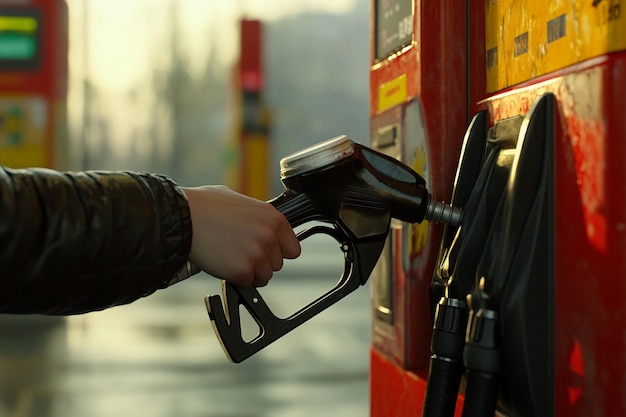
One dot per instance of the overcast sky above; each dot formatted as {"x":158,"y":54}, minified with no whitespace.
{"x":117,"y":45}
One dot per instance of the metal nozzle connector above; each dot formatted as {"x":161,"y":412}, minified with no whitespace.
{"x":440,"y":212}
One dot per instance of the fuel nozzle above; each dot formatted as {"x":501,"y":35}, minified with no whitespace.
{"x":354,"y":192}
{"x":441,"y":212}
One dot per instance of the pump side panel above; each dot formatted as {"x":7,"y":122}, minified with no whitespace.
{"x":590,"y":231}
{"x":577,"y":52}
{"x":519,"y":50}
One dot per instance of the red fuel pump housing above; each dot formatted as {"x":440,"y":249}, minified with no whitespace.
{"x":577,"y":52}
{"x":501,"y":58}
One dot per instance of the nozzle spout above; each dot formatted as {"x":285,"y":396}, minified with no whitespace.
{"x":440,"y":212}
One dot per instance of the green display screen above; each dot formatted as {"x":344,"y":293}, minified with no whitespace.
{"x":17,"y":46}
{"x":19,"y":40}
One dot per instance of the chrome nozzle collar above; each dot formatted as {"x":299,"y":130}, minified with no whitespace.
{"x":316,"y":156}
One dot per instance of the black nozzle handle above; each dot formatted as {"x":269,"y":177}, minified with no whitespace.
{"x":359,"y":258}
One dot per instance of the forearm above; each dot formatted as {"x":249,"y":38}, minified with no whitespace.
{"x":78,"y":242}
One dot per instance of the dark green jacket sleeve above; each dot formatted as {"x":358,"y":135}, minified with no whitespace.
{"x":77,"y":242}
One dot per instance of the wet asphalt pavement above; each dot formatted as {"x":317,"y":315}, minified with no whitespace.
{"x":159,"y":356}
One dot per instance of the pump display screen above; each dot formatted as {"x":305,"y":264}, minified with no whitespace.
{"x":19,"y":40}
{"x":394,"y":26}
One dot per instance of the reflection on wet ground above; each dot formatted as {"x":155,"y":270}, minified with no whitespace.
{"x":159,"y":357}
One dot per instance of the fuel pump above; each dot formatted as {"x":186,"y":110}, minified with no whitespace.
{"x":524,"y":294}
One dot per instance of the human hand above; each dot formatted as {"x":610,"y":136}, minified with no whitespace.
{"x":238,"y":238}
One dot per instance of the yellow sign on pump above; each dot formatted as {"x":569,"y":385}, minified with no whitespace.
{"x":529,"y":38}
{"x":18,"y":23}
{"x":392,"y":93}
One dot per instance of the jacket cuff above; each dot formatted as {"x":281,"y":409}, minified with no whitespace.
{"x":184,"y":230}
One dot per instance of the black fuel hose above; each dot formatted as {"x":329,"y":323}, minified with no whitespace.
{"x":482,"y":359}
{"x":446,"y":362}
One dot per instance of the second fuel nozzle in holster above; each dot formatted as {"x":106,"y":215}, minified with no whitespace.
{"x":353,"y":191}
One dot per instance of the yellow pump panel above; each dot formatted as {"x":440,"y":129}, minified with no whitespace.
{"x":529,"y":38}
